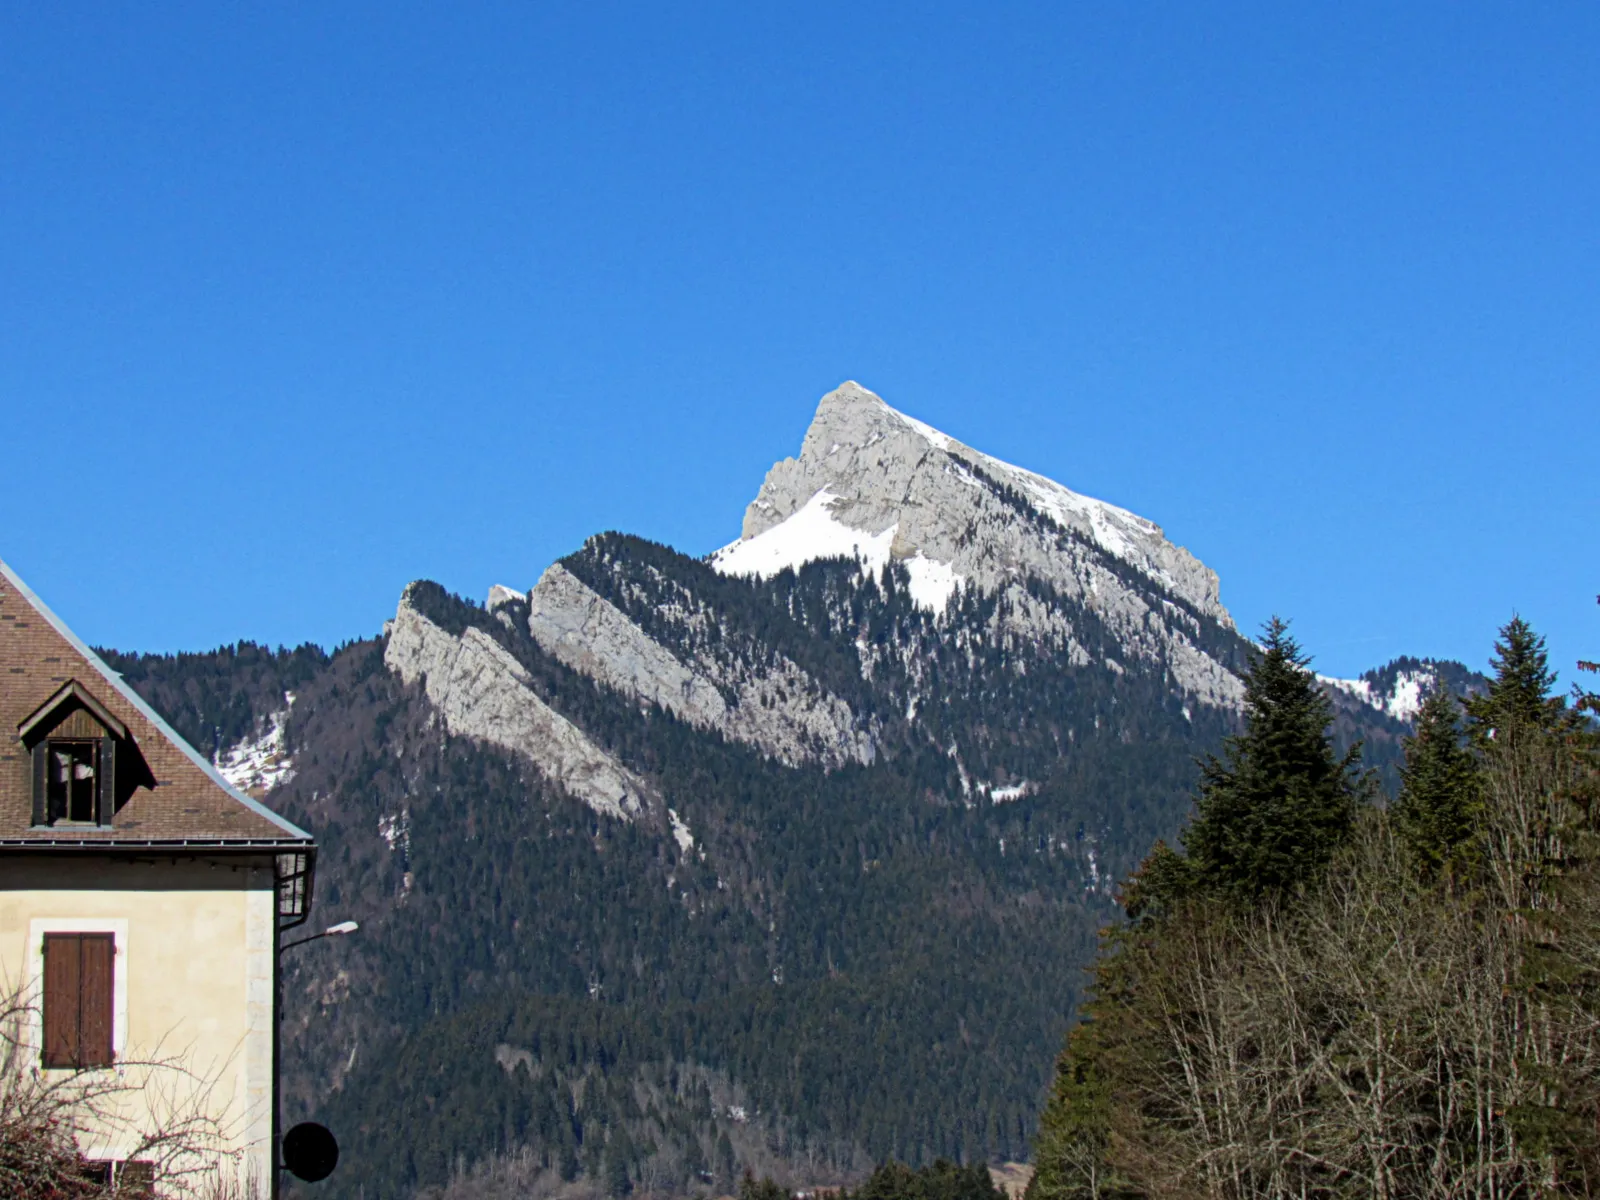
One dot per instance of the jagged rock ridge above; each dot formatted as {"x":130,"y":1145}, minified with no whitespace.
{"x":876,"y":486}
{"x":480,"y":691}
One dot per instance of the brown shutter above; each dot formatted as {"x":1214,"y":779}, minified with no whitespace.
{"x":41,"y":783}
{"x":136,"y":1179}
{"x":62,"y":954}
{"x":95,"y":1003}
{"x":106,"y":782}
{"x":79,"y":975}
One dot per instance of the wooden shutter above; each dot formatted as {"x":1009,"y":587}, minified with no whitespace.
{"x":41,"y":784}
{"x":96,"y":1007}
{"x":136,"y":1179}
{"x":79,"y":978}
{"x":62,"y":986}
{"x":106,"y":782}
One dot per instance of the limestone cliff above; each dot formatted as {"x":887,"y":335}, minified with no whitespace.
{"x":480,"y":691}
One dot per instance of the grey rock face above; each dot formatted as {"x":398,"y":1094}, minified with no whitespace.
{"x":991,"y":523}
{"x":776,"y":707}
{"x":482,"y":692}
{"x":587,"y":632}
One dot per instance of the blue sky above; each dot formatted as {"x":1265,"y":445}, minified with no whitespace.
{"x":301,"y":302}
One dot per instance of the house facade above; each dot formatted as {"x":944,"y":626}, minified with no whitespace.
{"x":141,"y":899}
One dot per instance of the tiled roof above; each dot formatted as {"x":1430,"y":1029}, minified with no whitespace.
{"x":190,"y":802}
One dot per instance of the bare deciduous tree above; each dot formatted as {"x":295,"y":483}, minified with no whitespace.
{"x":158,"y":1107}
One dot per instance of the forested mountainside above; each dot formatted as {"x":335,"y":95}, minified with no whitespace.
{"x":787,"y":859}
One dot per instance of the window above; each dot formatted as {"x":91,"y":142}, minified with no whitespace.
{"x":73,"y":770}
{"x":78,"y":748}
{"x":132,"y":1180}
{"x":79,"y":969}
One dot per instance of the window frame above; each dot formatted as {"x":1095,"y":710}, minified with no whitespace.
{"x":118,"y":929}
{"x":55,"y":745}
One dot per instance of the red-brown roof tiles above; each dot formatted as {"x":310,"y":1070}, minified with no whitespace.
{"x":189,"y":802}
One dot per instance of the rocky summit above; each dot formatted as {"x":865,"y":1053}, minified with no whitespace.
{"x":787,"y":858}
{"x":871,"y":487}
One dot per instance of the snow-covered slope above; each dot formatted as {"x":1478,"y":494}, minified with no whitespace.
{"x":1399,"y":688}
{"x":260,"y":763}
{"x":815,"y":533}
{"x":1402,"y":702}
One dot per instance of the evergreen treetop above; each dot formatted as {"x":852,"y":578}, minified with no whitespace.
{"x":1272,"y":811}
{"x":1440,"y":798}
{"x":1519,"y":698}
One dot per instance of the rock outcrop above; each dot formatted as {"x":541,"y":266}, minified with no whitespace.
{"x":774,"y":705}
{"x":480,"y":691}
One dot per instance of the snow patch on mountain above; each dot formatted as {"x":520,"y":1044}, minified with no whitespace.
{"x":255,"y":765}
{"x":1402,"y":701}
{"x":680,"y":832}
{"x":812,"y":533}
{"x":1012,"y":791}
{"x":933,"y":583}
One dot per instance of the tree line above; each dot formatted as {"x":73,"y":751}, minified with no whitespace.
{"x":1317,"y":995}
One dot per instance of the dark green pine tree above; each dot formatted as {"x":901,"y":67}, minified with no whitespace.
{"x":1274,"y":809}
{"x":1441,"y":792}
{"x":1070,"y":1152}
{"x":1518,"y":703}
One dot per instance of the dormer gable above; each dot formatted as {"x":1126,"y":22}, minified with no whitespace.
{"x":71,"y":712}
{"x":85,"y":764}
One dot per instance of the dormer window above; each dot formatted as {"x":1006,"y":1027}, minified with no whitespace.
{"x":74,"y":742}
{"x":72,"y":773}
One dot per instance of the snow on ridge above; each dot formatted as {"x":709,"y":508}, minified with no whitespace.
{"x":1402,"y":703}
{"x":257,"y":765}
{"x":812,"y":532}
{"x":500,"y":594}
{"x":939,"y":441}
{"x":1359,"y":688}
{"x":1113,"y":528}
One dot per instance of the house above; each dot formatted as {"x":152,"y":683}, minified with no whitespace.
{"x":141,"y":899}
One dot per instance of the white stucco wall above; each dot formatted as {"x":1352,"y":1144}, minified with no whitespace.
{"x":193,"y":990}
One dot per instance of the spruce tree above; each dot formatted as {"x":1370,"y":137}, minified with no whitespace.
{"x":1518,"y":702}
{"x":1440,"y":798}
{"x":1272,"y":811}
{"x":1071,"y":1151}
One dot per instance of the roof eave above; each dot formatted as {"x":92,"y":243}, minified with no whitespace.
{"x":255,"y":845}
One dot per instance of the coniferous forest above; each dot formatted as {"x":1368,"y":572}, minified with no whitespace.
{"x":1347,"y":956}
{"x":1316,"y":995}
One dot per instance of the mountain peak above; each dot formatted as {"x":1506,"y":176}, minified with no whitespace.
{"x":886,"y":471}
{"x":854,"y":408}
{"x":876,"y":485}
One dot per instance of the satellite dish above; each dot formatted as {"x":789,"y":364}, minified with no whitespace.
{"x":310,"y":1152}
